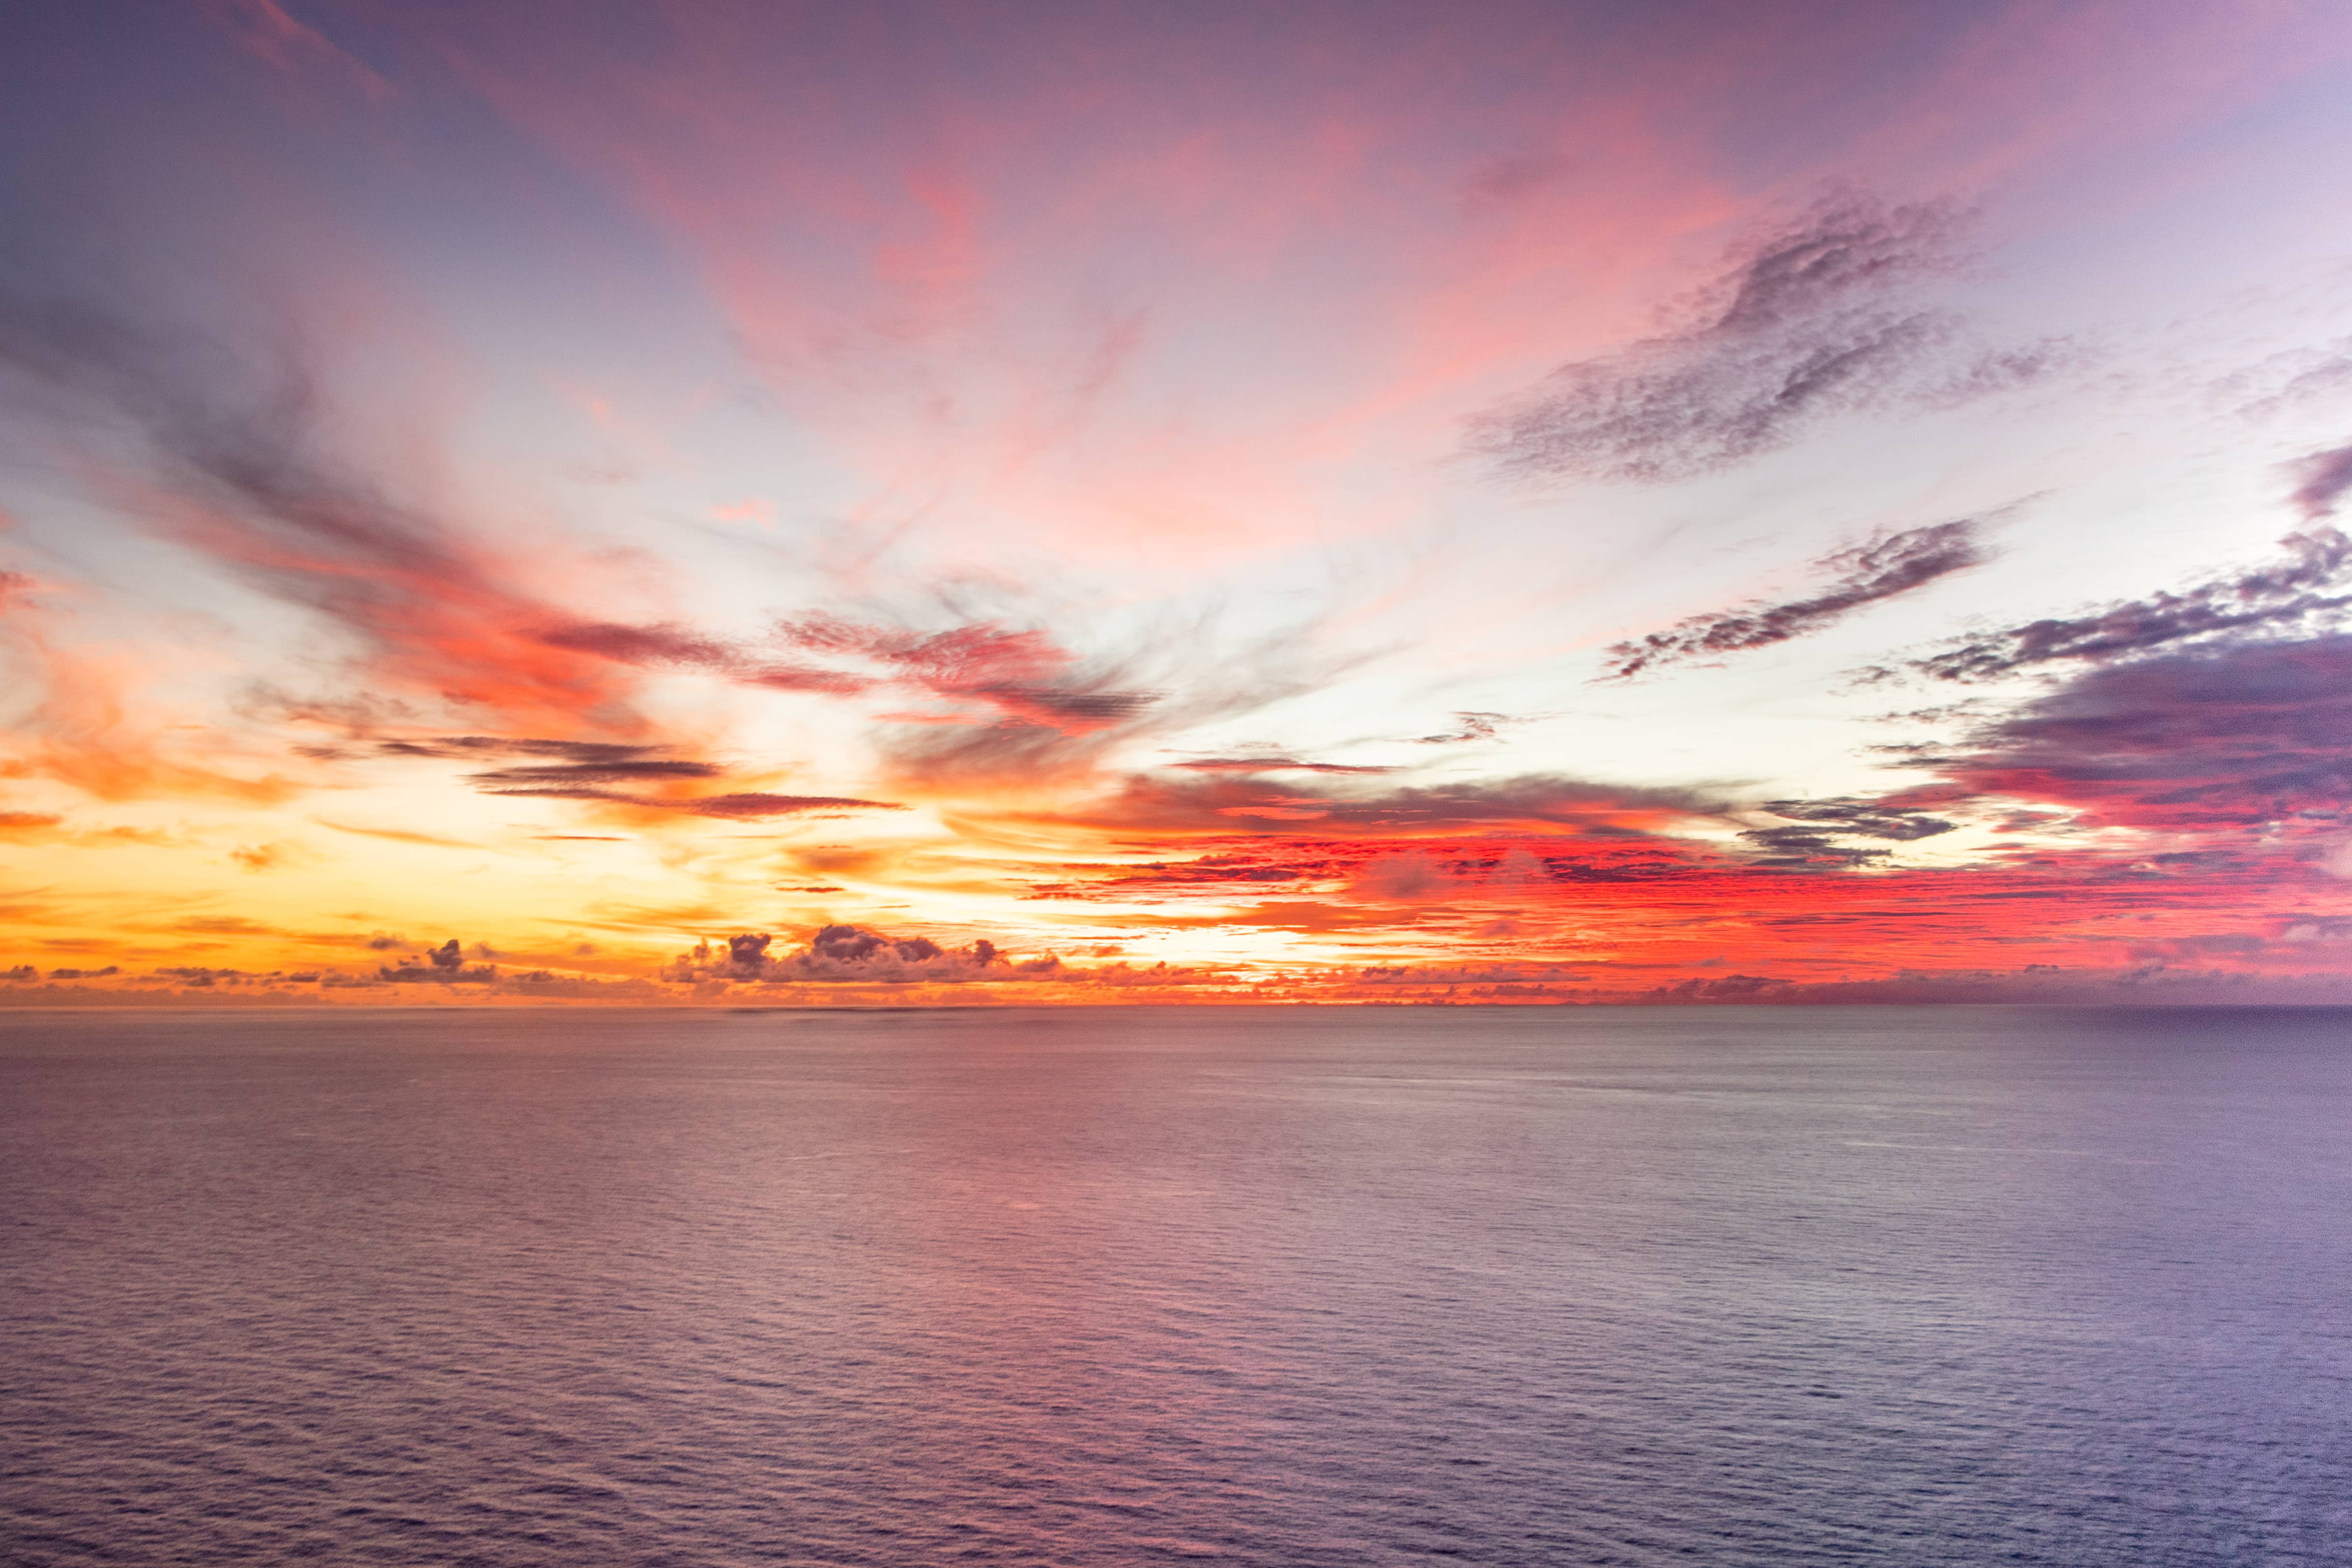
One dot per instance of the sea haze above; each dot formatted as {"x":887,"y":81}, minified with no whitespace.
{"x":1094,"y":1287}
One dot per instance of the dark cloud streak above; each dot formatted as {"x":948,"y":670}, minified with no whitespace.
{"x":2267,"y":601}
{"x":1471,"y":726}
{"x":585,"y":770}
{"x":1818,"y":843}
{"x":1866,"y":574}
{"x":1817,"y":321}
{"x":1273,"y":764}
{"x":674,"y":647}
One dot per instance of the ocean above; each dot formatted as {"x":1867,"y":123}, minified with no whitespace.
{"x":1343,"y":1286}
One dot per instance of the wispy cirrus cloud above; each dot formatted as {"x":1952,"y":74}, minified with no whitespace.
{"x":532,"y":767}
{"x":80,"y":721}
{"x":1022,"y":673}
{"x":671,"y":645}
{"x":2296,"y":594}
{"x":1474,"y":725}
{"x":1817,"y":320}
{"x":1865,"y":574}
{"x":223,"y":449}
{"x":1224,"y":803}
{"x":2324,"y":477}
{"x":1273,"y":765}
{"x":755,"y":805}
{"x":1014,"y":693}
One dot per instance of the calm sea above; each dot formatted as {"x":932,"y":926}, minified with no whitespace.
{"x":1345,"y":1286}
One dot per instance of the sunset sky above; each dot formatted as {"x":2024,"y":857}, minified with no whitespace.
{"x":1212,"y":501}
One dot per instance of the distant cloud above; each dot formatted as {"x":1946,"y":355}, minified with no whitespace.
{"x":398,"y":835}
{"x":1819,"y":843}
{"x":2315,"y":373}
{"x":672,"y":646}
{"x":1240,"y":802}
{"x":2270,"y":601}
{"x":755,"y":803}
{"x":443,"y":965}
{"x":1407,"y":876}
{"x":2325,"y":477}
{"x":843,"y":955}
{"x":1870,"y":818}
{"x":1468,"y":726}
{"x":1023,"y":674}
{"x":580,"y":754}
{"x":836,"y":954}
{"x":1865,"y":574}
{"x":589,"y":770}
{"x":1014,"y":700}
{"x":560,"y":776}
{"x":1817,"y":321}
{"x":668,"y":644}
{"x":1998,"y":371}
{"x":580,"y":770}
{"x":1273,"y":764}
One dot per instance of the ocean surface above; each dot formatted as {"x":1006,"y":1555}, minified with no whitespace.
{"x":1280,"y":1286}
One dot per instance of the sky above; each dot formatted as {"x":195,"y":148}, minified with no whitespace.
{"x":1052,"y":502}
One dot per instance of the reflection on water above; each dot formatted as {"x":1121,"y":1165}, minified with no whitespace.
{"x":1541,"y":1286}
